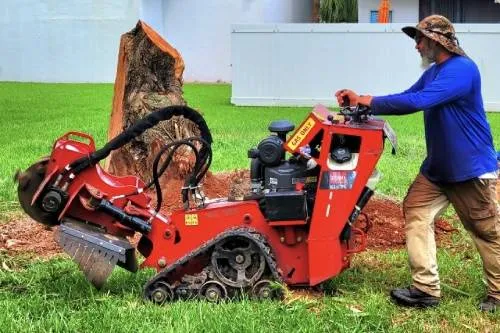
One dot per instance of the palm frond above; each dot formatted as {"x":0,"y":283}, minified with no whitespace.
{"x":337,"y":11}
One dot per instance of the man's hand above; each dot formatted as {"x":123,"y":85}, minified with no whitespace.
{"x":354,"y":99}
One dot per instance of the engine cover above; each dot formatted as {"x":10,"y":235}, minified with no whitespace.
{"x":285,"y":176}
{"x":286,"y":205}
{"x":271,"y":150}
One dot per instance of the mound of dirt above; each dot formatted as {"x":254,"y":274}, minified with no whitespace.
{"x":27,"y":236}
{"x":387,"y":231}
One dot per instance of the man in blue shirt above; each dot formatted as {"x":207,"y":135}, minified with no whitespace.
{"x":460,"y":167}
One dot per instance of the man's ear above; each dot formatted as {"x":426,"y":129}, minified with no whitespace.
{"x":439,"y":47}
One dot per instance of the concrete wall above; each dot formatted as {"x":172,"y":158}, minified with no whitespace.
{"x":78,"y":40}
{"x":63,"y":41}
{"x":403,"y":11}
{"x":287,"y":64}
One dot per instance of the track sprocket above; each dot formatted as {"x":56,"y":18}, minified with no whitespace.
{"x":238,"y":262}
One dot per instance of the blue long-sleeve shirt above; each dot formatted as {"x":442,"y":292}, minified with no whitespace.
{"x":457,"y":133}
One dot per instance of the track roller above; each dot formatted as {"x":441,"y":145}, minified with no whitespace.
{"x":161,"y":293}
{"x":213,"y":291}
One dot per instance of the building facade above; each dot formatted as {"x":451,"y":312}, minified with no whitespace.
{"x":458,"y":11}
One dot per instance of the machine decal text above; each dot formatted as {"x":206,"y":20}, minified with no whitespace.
{"x":301,"y":133}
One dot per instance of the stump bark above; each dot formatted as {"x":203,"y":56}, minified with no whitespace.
{"x":148,"y":78}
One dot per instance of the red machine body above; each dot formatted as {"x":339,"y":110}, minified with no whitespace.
{"x":306,"y":251}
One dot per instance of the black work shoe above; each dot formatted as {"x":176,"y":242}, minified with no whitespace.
{"x":413,"y":297}
{"x":489,"y":304}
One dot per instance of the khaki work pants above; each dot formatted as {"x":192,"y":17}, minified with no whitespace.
{"x":477,"y":207}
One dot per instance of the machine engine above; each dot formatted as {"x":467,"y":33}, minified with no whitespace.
{"x":287,"y":185}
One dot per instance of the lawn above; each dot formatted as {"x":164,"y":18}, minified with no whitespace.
{"x":54,"y":296}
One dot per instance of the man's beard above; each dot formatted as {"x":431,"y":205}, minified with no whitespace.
{"x":428,"y":57}
{"x":425,"y":62}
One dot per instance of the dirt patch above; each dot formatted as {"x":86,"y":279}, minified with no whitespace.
{"x":27,"y":236}
{"x":388,"y":224}
{"x":387,"y":231}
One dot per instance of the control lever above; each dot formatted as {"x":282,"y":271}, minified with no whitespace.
{"x":357,"y":113}
{"x":346,"y":102}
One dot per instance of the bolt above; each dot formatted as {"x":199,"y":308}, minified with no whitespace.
{"x":167,"y":234}
{"x":239,"y":259}
{"x":247,"y":219}
{"x":299,"y":239}
{"x":162,"y":262}
{"x":282,"y":239}
{"x":158,"y":296}
{"x":212,"y":294}
{"x":265,"y":293}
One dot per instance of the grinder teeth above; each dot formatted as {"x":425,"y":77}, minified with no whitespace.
{"x":95,"y":262}
{"x":94,"y":251}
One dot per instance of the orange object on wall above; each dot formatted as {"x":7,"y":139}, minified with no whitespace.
{"x":383,"y":11}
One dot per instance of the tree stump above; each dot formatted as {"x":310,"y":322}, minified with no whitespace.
{"x":148,"y":78}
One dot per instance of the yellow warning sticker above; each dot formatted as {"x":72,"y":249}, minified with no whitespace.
{"x":306,"y":127}
{"x":191,"y":219}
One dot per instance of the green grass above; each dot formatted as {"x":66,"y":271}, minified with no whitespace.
{"x":54,"y":296}
{"x":33,"y":115}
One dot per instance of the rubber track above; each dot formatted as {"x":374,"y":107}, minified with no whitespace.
{"x":248,"y":233}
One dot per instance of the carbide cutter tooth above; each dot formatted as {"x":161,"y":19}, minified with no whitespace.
{"x":87,"y":264}
{"x":94,"y":253}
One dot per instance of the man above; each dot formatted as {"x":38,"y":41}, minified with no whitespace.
{"x":460,"y":167}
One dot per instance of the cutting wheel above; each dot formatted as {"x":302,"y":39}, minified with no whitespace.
{"x":28,"y":183}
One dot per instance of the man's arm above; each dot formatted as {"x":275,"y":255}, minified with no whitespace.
{"x":367,"y":99}
{"x":450,"y":83}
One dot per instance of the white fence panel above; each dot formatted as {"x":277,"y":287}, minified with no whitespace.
{"x":303,"y":64}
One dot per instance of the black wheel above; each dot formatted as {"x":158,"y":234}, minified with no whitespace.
{"x":161,"y":293}
{"x":264,"y":289}
{"x":213,"y":291}
{"x":238,"y":262}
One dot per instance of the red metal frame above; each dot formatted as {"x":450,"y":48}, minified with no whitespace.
{"x":307,"y":252}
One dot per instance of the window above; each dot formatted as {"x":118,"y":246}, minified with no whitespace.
{"x":374,"y":16}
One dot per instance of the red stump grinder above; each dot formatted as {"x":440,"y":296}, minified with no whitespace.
{"x":295,"y":226}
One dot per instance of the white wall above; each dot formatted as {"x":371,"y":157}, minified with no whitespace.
{"x":403,"y":11}
{"x":63,"y":41}
{"x":288,"y":64}
{"x":201,"y":30}
{"x":78,"y":40}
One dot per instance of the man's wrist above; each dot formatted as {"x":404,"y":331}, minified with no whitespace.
{"x":365,"y":100}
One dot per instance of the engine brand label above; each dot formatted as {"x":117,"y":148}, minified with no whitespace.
{"x":191,"y":219}
{"x":338,"y":180}
{"x":273,"y":181}
{"x":306,"y":127}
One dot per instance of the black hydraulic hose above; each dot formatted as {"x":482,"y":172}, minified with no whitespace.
{"x":156,"y":175}
{"x":174,"y":145}
{"x":140,"y":127}
{"x":362,"y":201}
{"x":360,"y":204}
{"x":194,"y":177}
{"x":199,"y":171}
{"x":131,"y":221}
{"x":205,"y":160}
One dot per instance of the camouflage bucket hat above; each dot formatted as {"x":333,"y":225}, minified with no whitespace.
{"x":439,"y":29}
